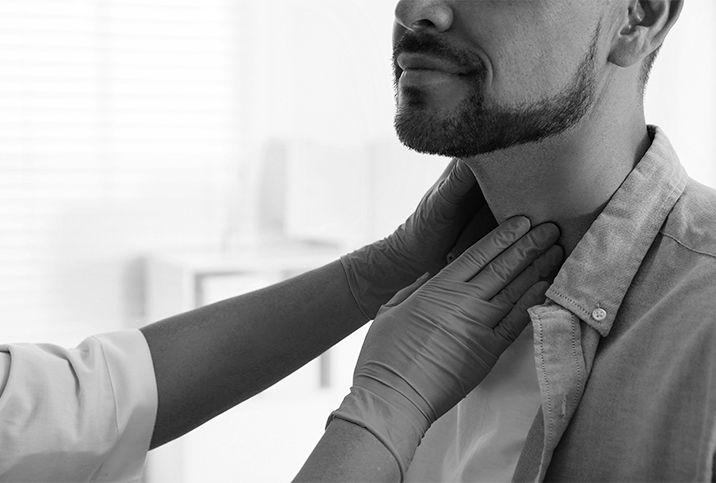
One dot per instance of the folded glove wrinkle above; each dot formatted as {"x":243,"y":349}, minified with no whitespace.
{"x":384,"y":421}
{"x":401,"y":408}
{"x":407,"y":391}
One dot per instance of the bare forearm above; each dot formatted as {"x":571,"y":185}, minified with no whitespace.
{"x":347,"y":452}
{"x":210,"y":359}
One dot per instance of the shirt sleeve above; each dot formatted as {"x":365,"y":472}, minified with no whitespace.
{"x":83,"y":414}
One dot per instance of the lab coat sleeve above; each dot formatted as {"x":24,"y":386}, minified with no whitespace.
{"x":83,"y":414}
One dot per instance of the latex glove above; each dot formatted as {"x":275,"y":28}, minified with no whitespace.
{"x":430,"y":347}
{"x":421,"y":244}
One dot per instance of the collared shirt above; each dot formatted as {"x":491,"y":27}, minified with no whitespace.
{"x":83,"y":414}
{"x":625,"y":346}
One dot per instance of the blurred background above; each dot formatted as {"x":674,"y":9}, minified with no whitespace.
{"x":158,"y":155}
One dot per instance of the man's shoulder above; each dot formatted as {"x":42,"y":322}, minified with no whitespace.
{"x":692,"y":221}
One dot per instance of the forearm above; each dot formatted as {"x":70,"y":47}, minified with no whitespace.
{"x":210,"y":359}
{"x":348,"y":452}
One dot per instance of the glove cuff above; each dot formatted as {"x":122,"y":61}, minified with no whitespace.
{"x":396,"y":427}
{"x":354,"y":286}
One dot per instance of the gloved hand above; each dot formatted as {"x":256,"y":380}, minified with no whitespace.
{"x":421,"y":244}
{"x":432,"y":345}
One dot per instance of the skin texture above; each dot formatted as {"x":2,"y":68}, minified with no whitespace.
{"x":528,"y":56}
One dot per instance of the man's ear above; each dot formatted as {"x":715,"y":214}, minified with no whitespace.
{"x":642,"y":28}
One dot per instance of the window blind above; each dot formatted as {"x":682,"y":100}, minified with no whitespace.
{"x":119,"y":134}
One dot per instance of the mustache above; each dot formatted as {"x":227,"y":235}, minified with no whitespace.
{"x":430,"y":44}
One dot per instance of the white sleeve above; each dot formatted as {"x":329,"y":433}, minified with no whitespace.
{"x":84,"y":414}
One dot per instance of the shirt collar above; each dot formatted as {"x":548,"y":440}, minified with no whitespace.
{"x":595,"y":278}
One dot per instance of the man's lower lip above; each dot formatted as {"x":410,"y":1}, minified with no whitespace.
{"x":424,"y":77}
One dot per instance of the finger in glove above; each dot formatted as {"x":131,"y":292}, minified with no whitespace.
{"x":544,"y":268}
{"x":504,"y":268}
{"x":514,"y":323}
{"x":487,"y":249}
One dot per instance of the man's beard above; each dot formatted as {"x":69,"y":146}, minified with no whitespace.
{"x":477,"y":127}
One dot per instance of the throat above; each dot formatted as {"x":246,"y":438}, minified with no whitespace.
{"x":563,"y":185}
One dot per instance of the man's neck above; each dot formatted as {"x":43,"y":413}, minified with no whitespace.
{"x":567,"y":179}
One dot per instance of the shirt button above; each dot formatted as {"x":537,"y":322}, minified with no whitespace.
{"x":599,"y":314}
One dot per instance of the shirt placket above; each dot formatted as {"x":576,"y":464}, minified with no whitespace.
{"x":561,"y":372}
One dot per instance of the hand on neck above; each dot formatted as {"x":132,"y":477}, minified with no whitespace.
{"x":567,"y":179}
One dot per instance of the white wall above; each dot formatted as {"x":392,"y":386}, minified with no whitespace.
{"x":118,"y":136}
{"x":681,"y":97}
{"x":324,"y":86}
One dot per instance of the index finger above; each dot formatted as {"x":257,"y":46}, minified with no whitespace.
{"x":475,"y":258}
{"x":514,"y":260}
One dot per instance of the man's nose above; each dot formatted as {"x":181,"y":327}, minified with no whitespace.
{"x":418,"y":15}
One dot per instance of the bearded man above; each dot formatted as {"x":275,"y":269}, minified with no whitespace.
{"x":615,"y":378}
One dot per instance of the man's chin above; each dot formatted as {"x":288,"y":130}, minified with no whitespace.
{"x":443,"y":132}
{"x":426,"y":145}
{"x":439,"y":138}
{"x":477,"y":134}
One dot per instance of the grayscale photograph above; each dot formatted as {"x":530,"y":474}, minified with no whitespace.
{"x":335,"y":241}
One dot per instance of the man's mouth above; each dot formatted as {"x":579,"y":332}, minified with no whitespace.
{"x":421,"y":62}
{"x":421,"y":70}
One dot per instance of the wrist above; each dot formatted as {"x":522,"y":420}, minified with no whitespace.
{"x":396,"y":423}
